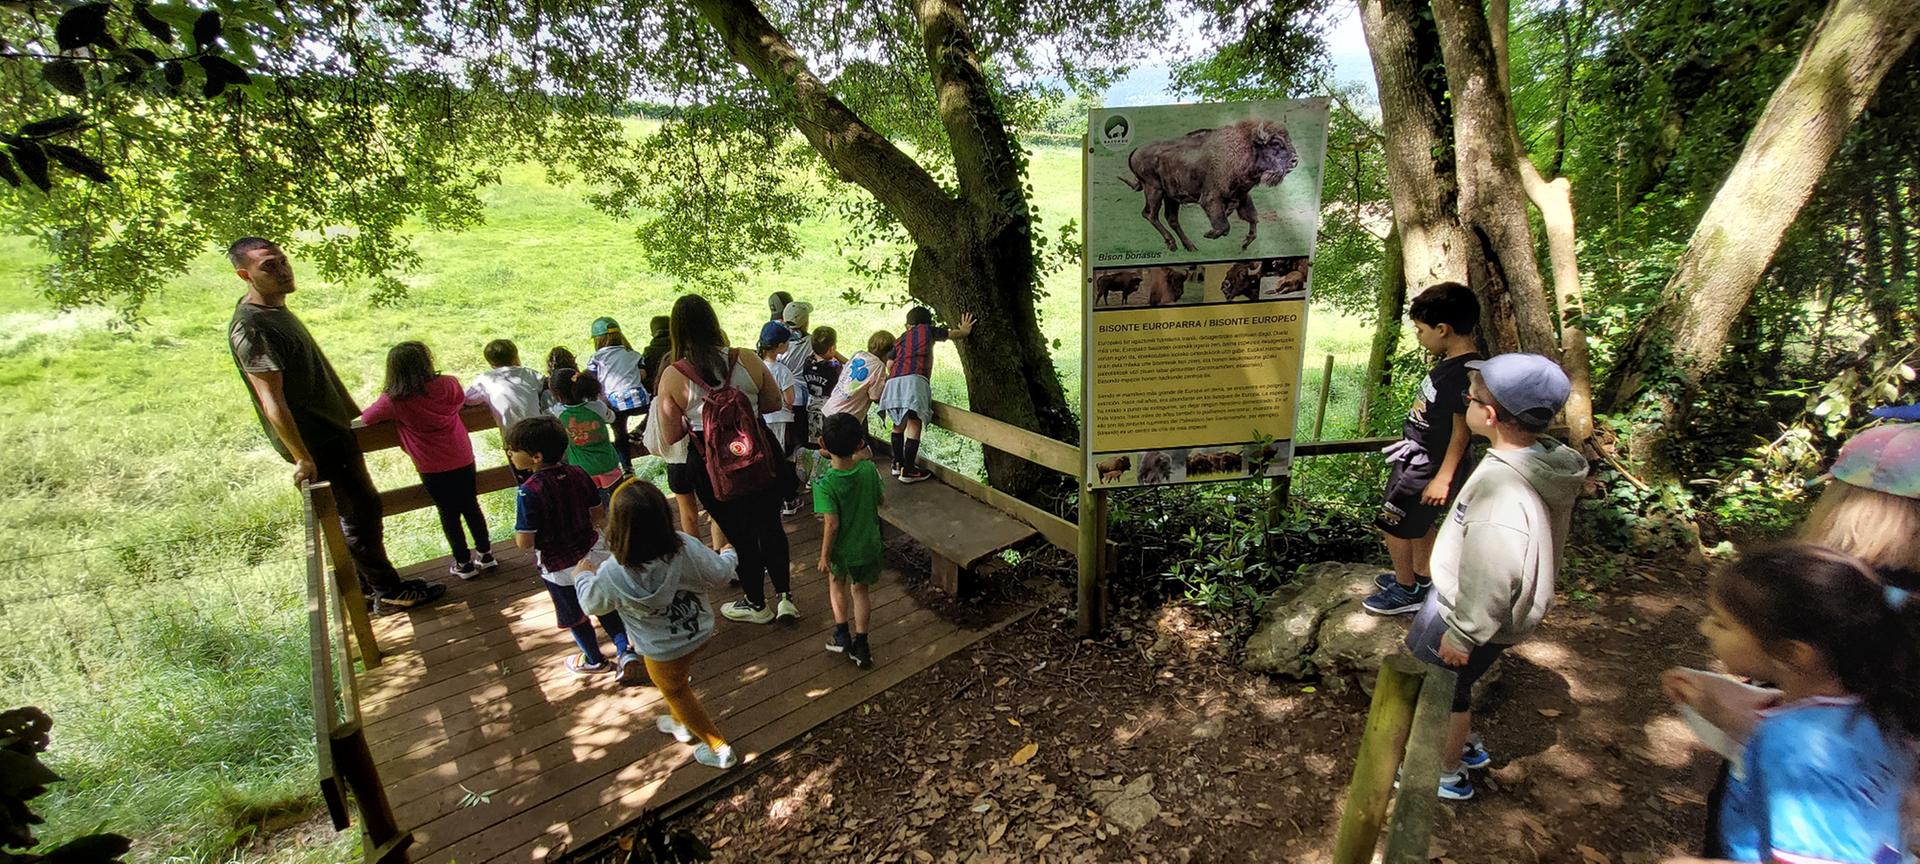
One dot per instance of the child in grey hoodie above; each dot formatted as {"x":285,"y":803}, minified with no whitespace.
{"x":658,"y":579}
{"x":1499,"y":548}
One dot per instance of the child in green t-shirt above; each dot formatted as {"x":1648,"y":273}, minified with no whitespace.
{"x":587,"y":419}
{"x":848,"y":498}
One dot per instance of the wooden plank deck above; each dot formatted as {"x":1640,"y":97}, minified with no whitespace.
{"x":474,"y":698}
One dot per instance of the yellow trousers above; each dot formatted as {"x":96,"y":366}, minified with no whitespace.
{"x":671,"y":679}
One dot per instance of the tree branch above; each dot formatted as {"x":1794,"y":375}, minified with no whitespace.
{"x":983,"y":156}
{"x":861,"y":154}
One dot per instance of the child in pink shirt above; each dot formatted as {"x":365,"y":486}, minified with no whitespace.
{"x":426,"y":406}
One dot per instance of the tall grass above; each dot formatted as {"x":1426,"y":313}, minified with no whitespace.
{"x":150,"y":579}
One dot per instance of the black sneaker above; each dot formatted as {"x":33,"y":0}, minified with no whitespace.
{"x":840,"y":641}
{"x":486,"y":561}
{"x":915,"y":475}
{"x":861,"y":655}
{"x":410,"y":594}
{"x":463,"y":569}
{"x":1384,"y":579}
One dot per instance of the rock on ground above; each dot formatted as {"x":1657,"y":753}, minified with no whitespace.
{"x":1317,"y":628}
{"x":1131,"y":806}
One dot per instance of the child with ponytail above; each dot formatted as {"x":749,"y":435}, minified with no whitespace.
{"x":1824,"y":764}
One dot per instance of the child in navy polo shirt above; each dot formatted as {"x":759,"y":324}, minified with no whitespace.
{"x":557,"y":513}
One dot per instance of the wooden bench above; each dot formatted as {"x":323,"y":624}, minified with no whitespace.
{"x":958,"y":531}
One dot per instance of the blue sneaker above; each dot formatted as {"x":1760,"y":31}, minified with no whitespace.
{"x":1474,"y":756}
{"x":1396,"y":599}
{"x":1457,"y":786}
{"x":1384,"y":579}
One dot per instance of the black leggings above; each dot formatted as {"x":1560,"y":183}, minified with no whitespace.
{"x":455,"y":494}
{"x":623,"y":443}
{"x":753,"y":525}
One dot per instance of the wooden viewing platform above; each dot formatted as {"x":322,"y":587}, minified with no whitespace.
{"x":473,"y":698}
{"x":463,"y":737}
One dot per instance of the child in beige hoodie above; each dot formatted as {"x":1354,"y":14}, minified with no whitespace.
{"x":1500,"y":546}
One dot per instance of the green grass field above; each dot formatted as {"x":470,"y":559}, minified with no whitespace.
{"x":150,"y":580}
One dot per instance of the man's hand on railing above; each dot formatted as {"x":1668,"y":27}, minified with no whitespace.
{"x":304,"y":470}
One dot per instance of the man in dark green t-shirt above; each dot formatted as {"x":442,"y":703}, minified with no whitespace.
{"x":308,"y":414}
{"x":848,"y":498}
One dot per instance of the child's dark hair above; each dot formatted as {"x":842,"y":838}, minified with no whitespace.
{"x":614,"y":338}
{"x":542,"y":437}
{"x":919,"y":315}
{"x":560,"y":358}
{"x":1449,"y":303}
{"x":409,"y":368}
{"x":572,"y":386}
{"x":1869,"y":636}
{"x":842,"y":435}
{"x":502,"y":352}
{"x":880,"y":344}
{"x":825,"y":339}
{"x":640,"y":525}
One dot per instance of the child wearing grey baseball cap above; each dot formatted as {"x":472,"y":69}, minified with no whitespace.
{"x":1499,"y":549}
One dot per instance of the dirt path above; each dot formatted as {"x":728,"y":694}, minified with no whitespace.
{"x":1011,"y":752}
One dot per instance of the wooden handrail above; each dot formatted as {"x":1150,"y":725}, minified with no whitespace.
{"x":324,"y":694}
{"x":386,"y":436}
{"x":1008,"y":438}
{"x":405,"y":499}
{"x":340,"y":744}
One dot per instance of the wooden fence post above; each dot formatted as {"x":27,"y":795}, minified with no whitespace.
{"x":1092,"y":611}
{"x":1326,"y":387}
{"x":346,"y":579}
{"x":1410,"y":830}
{"x":1389,"y":719}
{"x":385,"y":842}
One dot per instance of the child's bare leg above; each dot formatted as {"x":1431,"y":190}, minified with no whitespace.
{"x":719,"y":536}
{"x":1423,"y":553}
{"x":689,"y":513}
{"x":671,"y":679}
{"x":911,"y":427}
{"x":862,"y":609}
{"x":1402,"y":552}
{"x":837,"y":597}
{"x":1459,"y":728}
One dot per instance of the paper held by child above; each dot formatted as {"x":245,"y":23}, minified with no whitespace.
{"x":1735,"y":698}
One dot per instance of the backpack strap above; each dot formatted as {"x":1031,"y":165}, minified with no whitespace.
{"x":692,"y":374}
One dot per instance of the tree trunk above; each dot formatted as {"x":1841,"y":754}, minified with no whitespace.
{"x":1390,"y":305}
{"x":1492,"y":205}
{"x":973,"y":251}
{"x":1418,"y":141}
{"x":1673,"y":349}
{"x":1002,"y":355}
{"x":1554,"y":200}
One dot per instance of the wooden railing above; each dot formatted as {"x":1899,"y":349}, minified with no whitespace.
{"x":1406,"y":729}
{"x":385,"y":436}
{"x":345,"y":763}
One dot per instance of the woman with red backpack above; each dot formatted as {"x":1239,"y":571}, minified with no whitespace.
{"x":714,"y":396}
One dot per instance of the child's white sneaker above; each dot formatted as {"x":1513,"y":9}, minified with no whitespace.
{"x":746,"y":613}
{"x":670,"y":726}
{"x":722,"y":758}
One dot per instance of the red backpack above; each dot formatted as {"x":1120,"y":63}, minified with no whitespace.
{"x":739,"y":449}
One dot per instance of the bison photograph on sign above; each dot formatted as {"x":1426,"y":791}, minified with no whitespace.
{"x":1191,"y":183}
